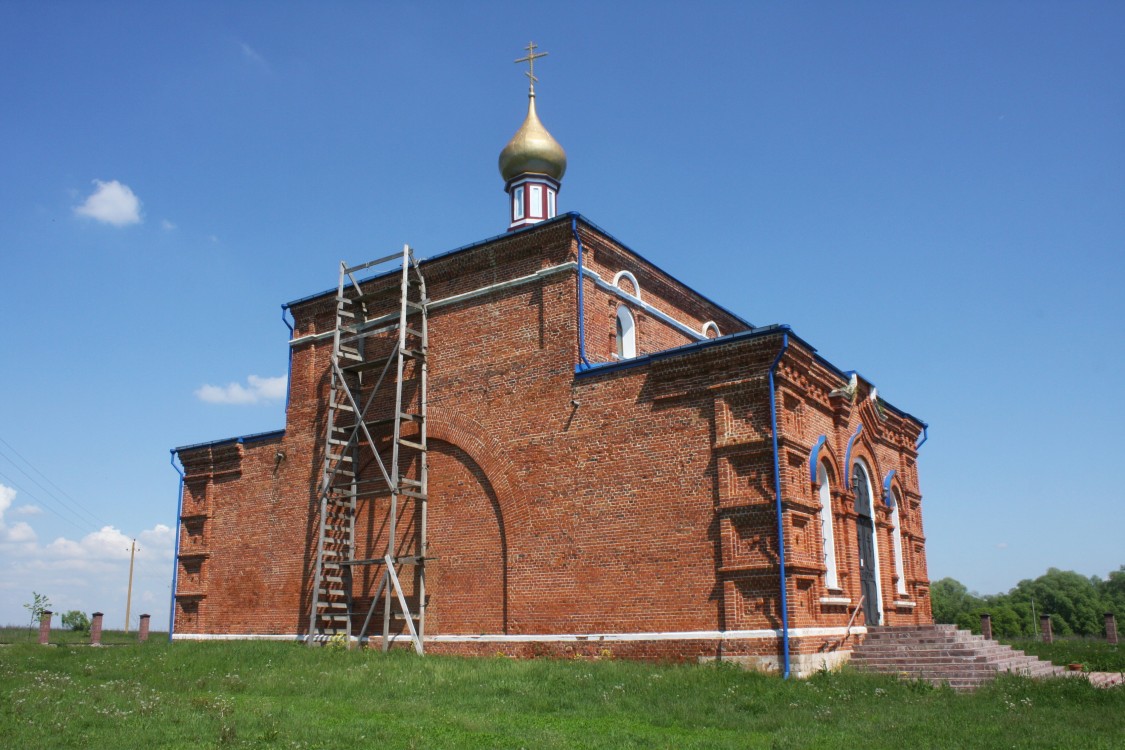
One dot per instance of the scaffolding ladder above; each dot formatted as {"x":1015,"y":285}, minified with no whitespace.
{"x":375,"y":453}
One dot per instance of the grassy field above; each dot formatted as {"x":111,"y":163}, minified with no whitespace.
{"x":282,"y":695}
{"x":11,"y":634}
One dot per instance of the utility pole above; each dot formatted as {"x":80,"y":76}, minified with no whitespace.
{"x":129,"y":596}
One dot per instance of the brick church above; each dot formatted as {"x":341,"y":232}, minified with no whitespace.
{"x":543,"y":444}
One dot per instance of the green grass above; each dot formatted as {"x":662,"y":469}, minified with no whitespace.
{"x":1094,"y":655}
{"x":282,"y":695}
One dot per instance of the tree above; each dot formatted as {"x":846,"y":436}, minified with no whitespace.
{"x":1112,"y":591}
{"x":950,"y":601}
{"x":37,"y":606}
{"x":77,"y":621}
{"x":1072,"y":600}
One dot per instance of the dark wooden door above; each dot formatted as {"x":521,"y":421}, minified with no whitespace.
{"x":865,"y":530}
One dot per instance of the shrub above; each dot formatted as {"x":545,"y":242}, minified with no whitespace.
{"x":76,"y":621}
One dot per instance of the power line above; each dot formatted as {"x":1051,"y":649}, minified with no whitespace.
{"x":74,"y":506}
{"x":15,"y":485}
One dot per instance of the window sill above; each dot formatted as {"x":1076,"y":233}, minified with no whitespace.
{"x":903,"y":604}
{"x":835,"y":601}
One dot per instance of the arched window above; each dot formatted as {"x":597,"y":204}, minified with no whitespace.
{"x":827,"y":534}
{"x":626,"y":334}
{"x":896,"y":537}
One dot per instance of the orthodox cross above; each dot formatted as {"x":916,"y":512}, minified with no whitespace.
{"x":532,"y":56}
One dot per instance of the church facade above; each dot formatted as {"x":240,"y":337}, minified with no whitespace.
{"x":616,"y":465}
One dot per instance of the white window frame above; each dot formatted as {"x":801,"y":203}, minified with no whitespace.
{"x":896,"y":538}
{"x":535,"y":202}
{"x":517,"y":203}
{"x":550,"y":203}
{"x":827,"y":532}
{"x":626,"y":328}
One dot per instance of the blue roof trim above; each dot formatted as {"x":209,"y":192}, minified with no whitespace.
{"x":848,"y":457}
{"x":814,"y":455}
{"x":625,"y":364}
{"x":703,"y":297}
{"x":254,"y":438}
{"x":887,"y":487}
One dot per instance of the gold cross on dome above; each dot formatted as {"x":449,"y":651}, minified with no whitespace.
{"x":532,"y":56}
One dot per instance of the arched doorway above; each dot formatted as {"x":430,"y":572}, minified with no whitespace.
{"x":868,"y":549}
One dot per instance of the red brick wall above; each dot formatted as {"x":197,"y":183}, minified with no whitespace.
{"x":635,"y":499}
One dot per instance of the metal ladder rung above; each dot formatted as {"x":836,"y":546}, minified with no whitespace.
{"x":416,"y":495}
{"x":411,"y":444}
{"x":363,"y":366}
{"x":370,"y":263}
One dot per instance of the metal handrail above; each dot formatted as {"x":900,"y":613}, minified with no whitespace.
{"x":858,"y":607}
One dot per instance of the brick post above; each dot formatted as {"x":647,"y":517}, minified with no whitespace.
{"x":1110,"y":628}
{"x":45,"y":627}
{"x":96,"y":630}
{"x":1045,"y":626}
{"x":986,"y":626}
{"x":142,"y":634}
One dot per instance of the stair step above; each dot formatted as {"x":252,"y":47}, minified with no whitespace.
{"x":944,"y":655}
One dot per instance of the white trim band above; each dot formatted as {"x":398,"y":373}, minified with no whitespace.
{"x":684,"y":635}
{"x":570,"y":265}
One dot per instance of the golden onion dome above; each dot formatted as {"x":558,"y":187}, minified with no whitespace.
{"x":532,"y":149}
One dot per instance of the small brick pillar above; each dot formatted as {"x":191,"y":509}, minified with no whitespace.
{"x":1110,"y":628}
{"x":45,"y":627}
{"x":1045,"y":626}
{"x":142,"y":634}
{"x":96,"y":630}
{"x":986,"y":626}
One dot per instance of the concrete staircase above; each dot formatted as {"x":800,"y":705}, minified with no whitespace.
{"x":942,"y":654}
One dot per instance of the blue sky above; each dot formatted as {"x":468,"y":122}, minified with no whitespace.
{"x":930,"y":193}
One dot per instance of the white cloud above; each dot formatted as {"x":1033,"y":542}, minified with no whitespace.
{"x":213,"y":238}
{"x":18,"y":533}
{"x":111,"y":203}
{"x":1002,"y":545}
{"x":7,"y":496}
{"x":28,"y":510}
{"x":166,"y":225}
{"x":90,"y":573}
{"x":259,"y":389}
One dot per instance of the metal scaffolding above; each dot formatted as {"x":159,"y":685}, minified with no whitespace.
{"x":375,"y":458}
